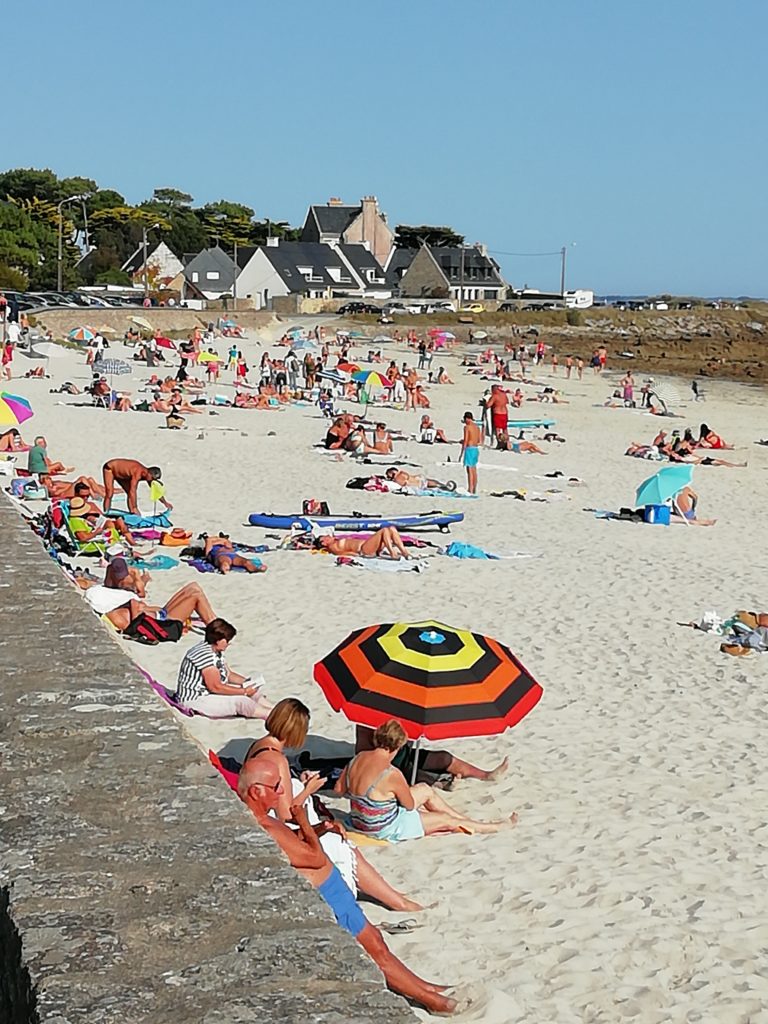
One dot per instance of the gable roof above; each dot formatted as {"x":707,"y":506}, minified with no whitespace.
{"x":288,"y":257}
{"x":334,"y":220}
{"x":213,"y":259}
{"x":136,"y":260}
{"x":361,"y":259}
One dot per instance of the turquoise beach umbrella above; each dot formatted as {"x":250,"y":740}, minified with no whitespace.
{"x":664,"y":485}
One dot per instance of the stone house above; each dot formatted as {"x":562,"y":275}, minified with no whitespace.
{"x":464,"y":273}
{"x":337,"y":223}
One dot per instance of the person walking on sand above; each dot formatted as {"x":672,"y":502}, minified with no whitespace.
{"x":470,"y":450}
{"x":128,"y":474}
{"x":568,"y":367}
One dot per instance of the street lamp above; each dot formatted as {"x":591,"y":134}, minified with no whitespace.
{"x":144,"y":231}
{"x":220,"y":218}
{"x":59,"y":266}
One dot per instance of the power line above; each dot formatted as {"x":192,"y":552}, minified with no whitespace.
{"x":525,"y":255}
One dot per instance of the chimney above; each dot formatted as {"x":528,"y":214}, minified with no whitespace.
{"x":482,"y":248}
{"x":273,"y":241}
{"x":335,"y":201}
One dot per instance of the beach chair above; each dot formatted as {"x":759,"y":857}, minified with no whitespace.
{"x":91,"y":547}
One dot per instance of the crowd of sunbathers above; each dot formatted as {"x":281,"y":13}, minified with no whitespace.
{"x":685,"y":447}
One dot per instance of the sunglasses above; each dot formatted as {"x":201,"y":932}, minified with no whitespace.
{"x":275,"y":789}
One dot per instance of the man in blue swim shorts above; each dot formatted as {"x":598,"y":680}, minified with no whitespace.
{"x":470,"y":450}
{"x":259,"y":787}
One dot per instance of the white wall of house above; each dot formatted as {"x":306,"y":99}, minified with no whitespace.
{"x":260,"y":280}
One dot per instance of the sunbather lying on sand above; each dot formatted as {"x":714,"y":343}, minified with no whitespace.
{"x":221,"y":553}
{"x":182,"y":605}
{"x":11,"y":441}
{"x":504,"y":444}
{"x":419,"y":483}
{"x":386,"y":541}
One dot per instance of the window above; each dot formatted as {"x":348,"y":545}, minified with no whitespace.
{"x":195,"y":277}
{"x":212,"y":275}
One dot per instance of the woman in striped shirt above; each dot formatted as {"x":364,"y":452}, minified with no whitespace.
{"x":384,"y":806}
{"x":206,"y":683}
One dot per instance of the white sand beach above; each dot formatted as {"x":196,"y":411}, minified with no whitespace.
{"x":634,"y":885}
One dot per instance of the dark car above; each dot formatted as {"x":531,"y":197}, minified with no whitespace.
{"x":358,"y":307}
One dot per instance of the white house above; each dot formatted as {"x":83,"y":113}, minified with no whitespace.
{"x":312,"y":269}
{"x":163,"y":265}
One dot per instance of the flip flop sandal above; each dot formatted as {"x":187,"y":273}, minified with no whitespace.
{"x":393,"y":928}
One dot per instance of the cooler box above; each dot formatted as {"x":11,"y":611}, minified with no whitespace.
{"x":658,"y":515}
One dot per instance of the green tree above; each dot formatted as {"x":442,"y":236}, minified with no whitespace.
{"x":409,"y":237}
{"x":113,"y":276}
{"x":18,"y":244}
{"x":104,"y":199}
{"x":29,"y":183}
{"x":232,"y":211}
{"x":13,"y":279}
{"x":77,"y":187}
{"x":172,"y":197}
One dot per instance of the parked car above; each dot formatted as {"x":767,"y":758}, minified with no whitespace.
{"x":358,"y":307}
{"x":508,"y":307}
{"x":394,"y":309}
{"x":472,"y":307}
{"x":440,"y":306}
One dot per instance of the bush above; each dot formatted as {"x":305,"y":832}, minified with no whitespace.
{"x":573,"y":317}
{"x":114,"y":276}
{"x":12,"y":279}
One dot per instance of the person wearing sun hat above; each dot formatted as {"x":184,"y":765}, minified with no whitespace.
{"x":87,"y":522}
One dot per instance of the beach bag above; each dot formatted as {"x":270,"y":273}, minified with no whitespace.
{"x":357,"y":483}
{"x":174,"y":422}
{"x":146,"y":630}
{"x":313,"y":507}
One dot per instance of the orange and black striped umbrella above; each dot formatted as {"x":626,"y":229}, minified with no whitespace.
{"x":437,"y":681}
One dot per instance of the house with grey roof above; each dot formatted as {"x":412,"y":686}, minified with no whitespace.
{"x":464,"y":273}
{"x":336,"y":223}
{"x":211,"y":274}
{"x":312,"y":270}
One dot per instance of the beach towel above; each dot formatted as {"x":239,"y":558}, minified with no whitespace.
{"x":160,"y":521}
{"x":156,"y":562}
{"x":435,"y":492}
{"x":384,"y":564}
{"x":458,"y":549}
{"x":103,"y":599}
{"x":203,"y":565}
{"x":169,"y":697}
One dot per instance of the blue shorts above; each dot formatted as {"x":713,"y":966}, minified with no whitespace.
{"x":339,"y":898}
{"x":471,"y":456}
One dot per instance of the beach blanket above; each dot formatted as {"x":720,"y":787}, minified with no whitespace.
{"x":203,"y":565}
{"x":459,"y":549}
{"x":384,"y":564}
{"x":161,"y":521}
{"x":156,"y":562}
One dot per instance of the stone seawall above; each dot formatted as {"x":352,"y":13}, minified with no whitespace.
{"x":162,"y":318}
{"x":134,"y":887}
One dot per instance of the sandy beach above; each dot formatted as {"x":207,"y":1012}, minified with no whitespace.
{"x":634,"y":885}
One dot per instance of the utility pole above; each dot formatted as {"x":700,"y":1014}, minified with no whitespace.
{"x":144,"y":230}
{"x":60,"y":256}
{"x":562,"y":271}
{"x":461,"y":279}
{"x":234,"y":281}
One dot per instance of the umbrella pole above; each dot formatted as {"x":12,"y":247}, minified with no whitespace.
{"x":677,"y":509}
{"x":415,"y":761}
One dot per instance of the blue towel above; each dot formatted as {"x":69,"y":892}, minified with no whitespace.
{"x":159,"y":522}
{"x":458,"y":549}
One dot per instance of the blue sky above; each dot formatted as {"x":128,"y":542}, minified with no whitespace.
{"x":634,"y":130}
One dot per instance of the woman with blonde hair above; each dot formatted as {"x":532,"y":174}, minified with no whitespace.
{"x":287,"y":725}
{"x":384,"y":806}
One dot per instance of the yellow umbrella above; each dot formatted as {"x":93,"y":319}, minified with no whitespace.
{"x":141,"y":321}
{"x":208,"y":357}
